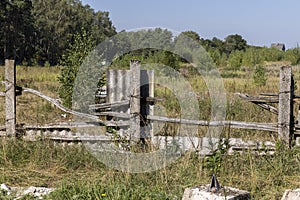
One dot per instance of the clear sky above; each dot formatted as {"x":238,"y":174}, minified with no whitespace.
{"x":260,"y":22}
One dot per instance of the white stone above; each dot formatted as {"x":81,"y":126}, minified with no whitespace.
{"x":291,"y":194}
{"x":5,"y":188}
{"x":38,"y":192}
{"x":297,"y":141}
{"x":226,"y":193}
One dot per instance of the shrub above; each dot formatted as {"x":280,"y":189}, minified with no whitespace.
{"x":259,"y":76}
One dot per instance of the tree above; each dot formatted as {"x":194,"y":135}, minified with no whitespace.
{"x":17,"y":30}
{"x":192,"y":34}
{"x":2,"y":30}
{"x":235,"y":42}
{"x":218,"y":44}
{"x":82,"y":46}
{"x":58,"y":20}
{"x":148,"y":46}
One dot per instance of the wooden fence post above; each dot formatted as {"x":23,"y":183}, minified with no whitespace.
{"x":285,"y":106}
{"x":135,"y":101}
{"x":10,"y":97}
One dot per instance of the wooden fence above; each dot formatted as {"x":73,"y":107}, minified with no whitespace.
{"x":138,"y":97}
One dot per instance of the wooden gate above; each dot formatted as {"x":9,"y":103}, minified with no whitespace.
{"x":130,"y":99}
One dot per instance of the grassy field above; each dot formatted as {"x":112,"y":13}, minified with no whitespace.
{"x":78,"y":175}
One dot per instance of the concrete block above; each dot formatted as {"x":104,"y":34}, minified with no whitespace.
{"x":291,"y":194}
{"x":298,"y":141}
{"x":226,"y":193}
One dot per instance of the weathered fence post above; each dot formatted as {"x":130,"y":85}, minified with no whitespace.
{"x":135,"y":100}
{"x":10,"y":97}
{"x":285,"y":106}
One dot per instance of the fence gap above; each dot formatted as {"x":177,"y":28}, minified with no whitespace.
{"x":285,"y":106}
{"x":10,"y":98}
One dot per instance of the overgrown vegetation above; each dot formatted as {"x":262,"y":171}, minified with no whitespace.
{"x":78,"y":175}
{"x":72,"y":169}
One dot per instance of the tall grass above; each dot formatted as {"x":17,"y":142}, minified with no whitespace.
{"x":78,"y":175}
{"x":32,"y":109}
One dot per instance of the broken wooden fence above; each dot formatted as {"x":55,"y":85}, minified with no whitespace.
{"x":130,"y":99}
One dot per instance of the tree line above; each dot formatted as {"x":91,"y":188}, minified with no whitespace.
{"x":234,"y":52}
{"x":38,"y":32}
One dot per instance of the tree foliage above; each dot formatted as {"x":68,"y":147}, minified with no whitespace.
{"x":39,"y":31}
{"x":17,"y":29}
{"x":235,"y":42}
{"x":148,"y":46}
{"x":77,"y":52}
{"x":293,"y":55}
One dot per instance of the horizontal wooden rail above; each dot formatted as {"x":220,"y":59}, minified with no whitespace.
{"x":253,"y":99}
{"x":109,"y":105}
{"x":67,"y":110}
{"x":233,"y":124}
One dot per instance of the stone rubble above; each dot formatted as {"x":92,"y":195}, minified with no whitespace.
{"x":18,"y":193}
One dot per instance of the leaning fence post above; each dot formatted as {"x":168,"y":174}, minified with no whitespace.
{"x":285,"y":107}
{"x":10,"y":97}
{"x":135,"y":100}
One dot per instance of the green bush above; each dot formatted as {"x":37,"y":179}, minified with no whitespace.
{"x":235,"y":60}
{"x":259,"y":76}
{"x":293,"y":55}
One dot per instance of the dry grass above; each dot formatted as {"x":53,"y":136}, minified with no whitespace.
{"x":30,"y":108}
{"x":78,"y":175}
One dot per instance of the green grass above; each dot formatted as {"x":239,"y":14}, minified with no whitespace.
{"x":78,"y":175}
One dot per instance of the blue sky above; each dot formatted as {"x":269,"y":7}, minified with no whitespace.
{"x":260,"y":22}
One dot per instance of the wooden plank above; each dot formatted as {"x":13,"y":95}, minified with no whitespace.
{"x":135,"y":100}
{"x":269,"y":94}
{"x":75,"y":138}
{"x":267,"y":107}
{"x":10,"y":98}
{"x":67,"y":110}
{"x":109,"y":105}
{"x":258,"y":99}
{"x":63,"y":125}
{"x":114,"y":114}
{"x":149,"y":100}
{"x":285,"y":107}
{"x":233,"y":124}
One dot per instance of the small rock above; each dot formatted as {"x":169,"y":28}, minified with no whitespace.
{"x":291,"y":194}
{"x":5,"y":188}
{"x":226,"y":193}
{"x":37,"y":191}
